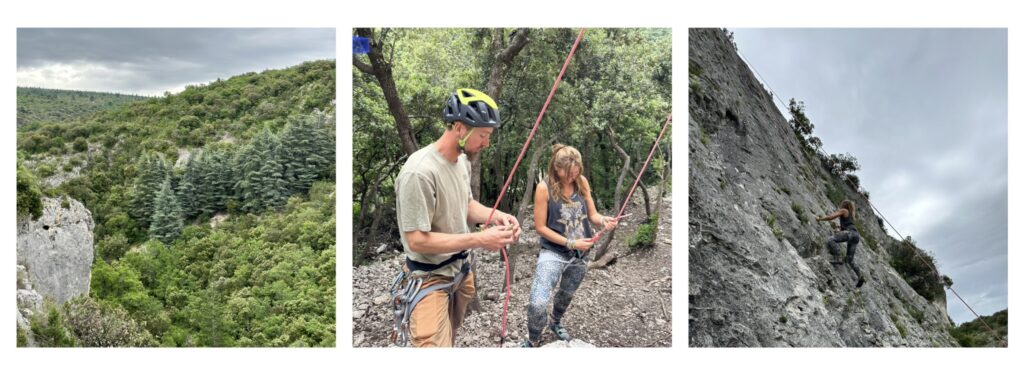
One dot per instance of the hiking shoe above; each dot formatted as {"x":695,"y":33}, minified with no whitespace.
{"x":860,"y":281}
{"x":527,"y":344}
{"x":560,"y":332}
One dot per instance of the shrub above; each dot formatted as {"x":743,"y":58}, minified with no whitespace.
{"x":799,"y":122}
{"x":644,"y":236}
{"x":916,"y":268}
{"x":800,"y":212}
{"x":771,"y":224}
{"x":49,"y":330}
{"x":80,"y":144}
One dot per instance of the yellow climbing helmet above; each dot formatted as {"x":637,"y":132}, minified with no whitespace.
{"x":472,"y":107}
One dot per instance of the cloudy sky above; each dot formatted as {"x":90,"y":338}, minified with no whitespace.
{"x":925,"y":113}
{"x":152,"y":61}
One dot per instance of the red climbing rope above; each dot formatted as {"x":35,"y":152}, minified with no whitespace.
{"x":508,"y":274}
{"x":625,"y":202}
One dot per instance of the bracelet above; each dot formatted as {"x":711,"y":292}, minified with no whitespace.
{"x":570,"y":243}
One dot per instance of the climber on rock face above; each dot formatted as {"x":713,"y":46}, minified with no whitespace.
{"x":563,"y":213}
{"x":847,"y":232}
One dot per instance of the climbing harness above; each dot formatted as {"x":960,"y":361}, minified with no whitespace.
{"x":407,"y":290}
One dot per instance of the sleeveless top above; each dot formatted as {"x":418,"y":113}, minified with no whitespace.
{"x":846,"y":223}
{"x":568,"y":219}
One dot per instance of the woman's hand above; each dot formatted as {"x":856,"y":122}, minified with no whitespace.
{"x":610,"y":223}
{"x":583,"y":244}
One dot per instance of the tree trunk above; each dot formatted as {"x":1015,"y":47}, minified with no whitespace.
{"x":503,"y":55}
{"x":643,"y":189}
{"x":531,"y":180}
{"x":602,"y":248}
{"x":502,"y":58}
{"x":381,"y":69}
{"x":661,"y":197}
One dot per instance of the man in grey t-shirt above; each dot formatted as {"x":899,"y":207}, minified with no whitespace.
{"x":435,"y":208}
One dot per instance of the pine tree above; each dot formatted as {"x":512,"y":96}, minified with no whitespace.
{"x":224,"y":181}
{"x":187,"y":195}
{"x":248,"y":165}
{"x":166,"y":221}
{"x":307,"y":151}
{"x":152,"y":171}
{"x":274,"y":189}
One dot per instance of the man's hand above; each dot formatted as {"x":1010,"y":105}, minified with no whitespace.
{"x":495,"y":238}
{"x":508,"y":221}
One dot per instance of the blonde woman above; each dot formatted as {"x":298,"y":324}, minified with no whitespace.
{"x":563,"y":214}
{"x":847,"y":233}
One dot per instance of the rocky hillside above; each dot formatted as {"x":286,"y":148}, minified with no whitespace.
{"x":759,"y":271}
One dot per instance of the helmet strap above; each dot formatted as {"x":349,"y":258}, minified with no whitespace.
{"x":462,"y":142}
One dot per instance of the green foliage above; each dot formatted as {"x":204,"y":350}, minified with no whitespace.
{"x":153,"y":173}
{"x":100,"y":324}
{"x":260,"y":279}
{"x":783,"y":319}
{"x":771,"y":224}
{"x":598,"y":90}
{"x":307,"y":151}
{"x":644,"y":235}
{"x":45,"y":170}
{"x":798,"y":121}
{"x":917,"y":314}
{"x":916,"y":267}
{"x":167,"y":220}
{"x":37,"y":106}
{"x":86,"y":322}
{"x":899,"y":325}
{"x":266,"y":281}
{"x":842,"y":164}
{"x":834,"y":194}
{"x":30,"y":203}
{"x":976,"y":334}
{"x":800,"y":212}
{"x":22,"y":338}
{"x":49,"y":330}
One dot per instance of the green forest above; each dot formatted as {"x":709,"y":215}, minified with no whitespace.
{"x":611,"y":104}
{"x":37,"y":105}
{"x":975,"y":333}
{"x":214,"y":212}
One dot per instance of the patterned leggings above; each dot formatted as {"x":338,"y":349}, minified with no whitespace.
{"x":551,"y":267}
{"x":852,"y":238}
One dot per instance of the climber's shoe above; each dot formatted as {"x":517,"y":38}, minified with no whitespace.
{"x":560,"y":332}
{"x":527,"y":344}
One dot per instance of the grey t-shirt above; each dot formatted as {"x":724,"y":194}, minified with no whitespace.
{"x":433,"y":195}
